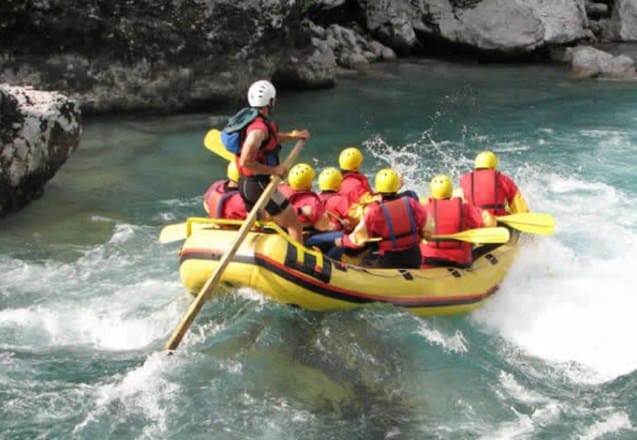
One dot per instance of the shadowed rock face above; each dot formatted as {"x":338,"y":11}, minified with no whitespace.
{"x":38,"y":132}
{"x":159,"y":55}
{"x":170,"y":55}
{"x":163,"y":56}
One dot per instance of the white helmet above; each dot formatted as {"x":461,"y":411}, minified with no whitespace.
{"x":261,"y":94}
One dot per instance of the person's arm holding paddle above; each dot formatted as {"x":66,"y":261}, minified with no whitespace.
{"x":293,"y":135}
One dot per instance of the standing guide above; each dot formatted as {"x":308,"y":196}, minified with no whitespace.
{"x":259,"y":158}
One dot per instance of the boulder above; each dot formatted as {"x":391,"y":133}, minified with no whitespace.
{"x":348,"y":48}
{"x":623,"y":21}
{"x":501,"y":26}
{"x":588,"y":62}
{"x":38,"y":132}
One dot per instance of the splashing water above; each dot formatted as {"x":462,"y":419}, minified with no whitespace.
{"x":88,"y":297}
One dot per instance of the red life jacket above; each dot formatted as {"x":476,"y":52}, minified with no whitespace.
{"x":326,"y":195}
{"x":285,"y":189}
{"x":215,"y":198}
{"x":481,"y":188}
{"x":304,"y":198}
{"x":354,"y":185}
{"x":268,"y":153}
{"x":448,"y":215}
{"x":400,"y":231}
{"x":337,"y":207}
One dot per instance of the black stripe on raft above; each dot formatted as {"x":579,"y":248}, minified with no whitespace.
{"x":325,"y":289}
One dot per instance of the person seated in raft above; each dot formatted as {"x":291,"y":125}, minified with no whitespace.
{"x":336,"y":206}
{"x":306,"y":203}
{"x":222,"y":199}
{"x":448,"y":215}
{"x":354,"y":184}
{"x":491,"y":190}
{"x":396,"y":219}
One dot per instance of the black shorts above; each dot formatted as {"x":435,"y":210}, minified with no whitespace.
{"x":251,"y":188}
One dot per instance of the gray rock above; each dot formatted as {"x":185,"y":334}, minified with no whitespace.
{"x":620,"y":66}
{"x":316,"y":70}
{"x":159,"y":55}
{"x":329,"y":4}
{"x":353,"y":60}
{"x":588,"y":62}
{"x":597,"y":9}
{"x":561,"y":53}
{"x":496,"y":25}
{"x":623,"y":22}
{"x":507,"y":26}
{"x":168,"y":55}
{"x":392,"y":22}
{"x":39,"y":131}
{"x":564,"y":21}
{"x":352,"y":50}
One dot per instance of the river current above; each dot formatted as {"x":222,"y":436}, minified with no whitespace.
{"x":88,"y":296}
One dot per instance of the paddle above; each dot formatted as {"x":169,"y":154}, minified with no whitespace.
{"x":197,"y":303}
{"x":345,"y":224}
{"x":478,"y":235}
{"x":212,"y":141}
{"x":178,"y":231}
{"x":530,"y":222}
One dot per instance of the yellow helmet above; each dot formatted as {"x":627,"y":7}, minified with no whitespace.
{"x":330,"y":179}
{"x":387,"y":181}
{"x":350,"y":159}
{"x":486,"y":159}
{"x":441,"y":187}
{"x":301,"y":176}
{"x":232,"y":172}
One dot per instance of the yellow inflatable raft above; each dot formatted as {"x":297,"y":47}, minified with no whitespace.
{"x":271,"y":263}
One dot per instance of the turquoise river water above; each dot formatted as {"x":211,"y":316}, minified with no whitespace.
{"x":88,"y":296}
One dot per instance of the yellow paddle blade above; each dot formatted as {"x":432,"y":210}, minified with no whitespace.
{"x":479,"y":235}
{"x":172,"y":233}
{"x":357,"y":209}
{"x":212,"y":141}
{"x":530,"y":222}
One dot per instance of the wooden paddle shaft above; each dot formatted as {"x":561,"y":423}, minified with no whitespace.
{"x":207,"y":288}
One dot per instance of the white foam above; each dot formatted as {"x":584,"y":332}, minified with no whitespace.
{"x":518,"y":392}
{"x":143,"y":389}
{"x":545,"y":412}
{"x":117,"y":296}
{"x":612,"y":423}
{"x":568,"y":298}
{"x":520,"y":428}
{"x":452,"y":343}
{"x":102,"y":323}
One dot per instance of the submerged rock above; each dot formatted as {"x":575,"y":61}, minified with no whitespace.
{"x":38,"y":132}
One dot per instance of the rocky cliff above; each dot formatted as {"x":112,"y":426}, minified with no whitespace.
{"x":170,"y":55}
{"x":38,"y":132}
